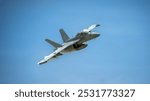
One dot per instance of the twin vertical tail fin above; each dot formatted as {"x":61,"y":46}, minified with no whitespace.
{"x":64,"y":36}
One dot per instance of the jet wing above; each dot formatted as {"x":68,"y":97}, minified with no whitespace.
{"x":57,"y":52}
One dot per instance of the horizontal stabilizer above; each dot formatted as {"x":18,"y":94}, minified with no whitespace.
{"x":54,"y":44}
{"x":64,"y":36}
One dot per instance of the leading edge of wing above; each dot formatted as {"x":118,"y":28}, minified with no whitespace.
{"x":56,"y":52}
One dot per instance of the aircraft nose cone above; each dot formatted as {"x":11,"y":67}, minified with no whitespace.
{"x":96,"y":35}
{"x":97,"y":25}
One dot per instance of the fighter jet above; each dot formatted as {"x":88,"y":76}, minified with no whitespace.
{"x":70,"y":44}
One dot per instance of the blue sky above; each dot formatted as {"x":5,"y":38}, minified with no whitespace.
{"x":121,"y":55}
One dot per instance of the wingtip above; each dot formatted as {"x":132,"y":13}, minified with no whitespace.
{"x":41,"y":62}
{"x":38,"y":63}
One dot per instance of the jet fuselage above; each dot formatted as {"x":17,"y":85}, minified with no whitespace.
{"x":83,"y":37}
{"x":70,"y":44}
